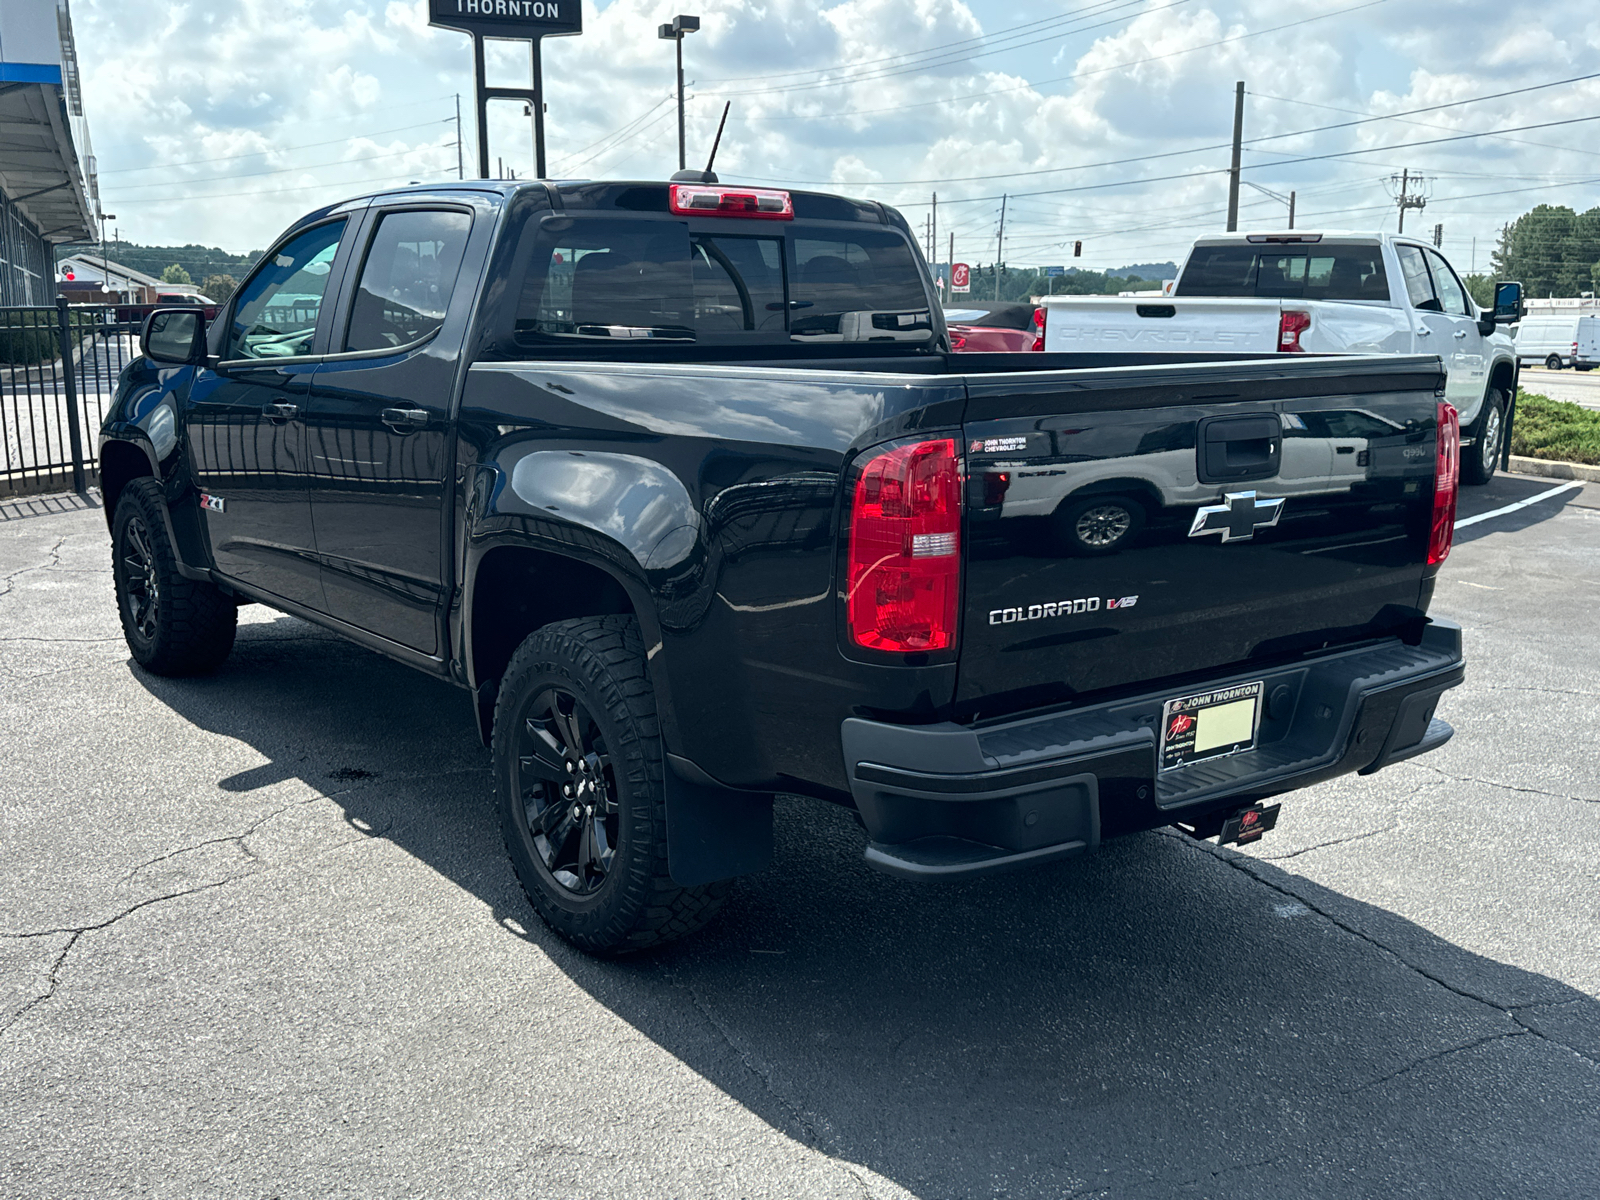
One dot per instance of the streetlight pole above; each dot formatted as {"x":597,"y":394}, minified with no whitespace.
{"x":674,"y":32}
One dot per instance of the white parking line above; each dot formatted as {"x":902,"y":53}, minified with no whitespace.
{"x":1511,"y":508}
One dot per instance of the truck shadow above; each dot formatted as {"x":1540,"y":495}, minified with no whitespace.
{"x":1159,"y":1019}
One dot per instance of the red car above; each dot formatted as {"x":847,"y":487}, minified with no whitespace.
{"x":977,"y":326}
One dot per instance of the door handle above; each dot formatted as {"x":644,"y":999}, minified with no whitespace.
{"x":280,"y":411}
{"x":1424,"y":331}
{"x":1461,"y":333}
{"x":401,"y":420}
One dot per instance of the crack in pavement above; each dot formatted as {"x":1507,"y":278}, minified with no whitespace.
{"x":1241,"y":863}
{"x":812,"y":1137}
{"x":1507,"y":787}
{"x":1354,"y":837}
{"x":1436,"y":1056}
{"x":52,"y":557}
{"x":53,"y":976}
{"x":1508,"y":687}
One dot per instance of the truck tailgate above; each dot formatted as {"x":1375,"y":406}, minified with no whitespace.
{"x":1161,"y":323}
{"x":1104,"y":551}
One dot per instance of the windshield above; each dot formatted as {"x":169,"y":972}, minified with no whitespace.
{"x":1294,"y":272}
{"x":650,"y":280}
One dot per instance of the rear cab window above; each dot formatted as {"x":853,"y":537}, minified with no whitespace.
{"x":597,"y":277}
{"x":1296,"y":271}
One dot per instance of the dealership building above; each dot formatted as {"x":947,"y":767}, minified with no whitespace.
{"x":48,"y":192}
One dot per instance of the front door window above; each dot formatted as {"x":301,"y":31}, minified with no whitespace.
{"x":276,"y":313}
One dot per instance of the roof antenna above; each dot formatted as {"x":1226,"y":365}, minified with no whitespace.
{"x":708,"y":175}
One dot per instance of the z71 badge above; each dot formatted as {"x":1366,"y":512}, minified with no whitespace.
{"x":214,"y":503}
{"x":1058,"y":608}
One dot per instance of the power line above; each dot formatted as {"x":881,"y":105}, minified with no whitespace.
{"x":1029,"y":86}
{"x":937,"y":60}
{"x":122,"y":189}
{"x":1007,"y":33}
{"x":195,"y":162}
{"x":1269,"y":137}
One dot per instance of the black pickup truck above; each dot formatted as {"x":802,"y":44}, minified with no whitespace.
{"x":682,"y":484}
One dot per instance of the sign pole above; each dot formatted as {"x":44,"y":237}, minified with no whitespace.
{"x":511,"y":20}
{"x":483,"y":105}
{"x":537,"y":105}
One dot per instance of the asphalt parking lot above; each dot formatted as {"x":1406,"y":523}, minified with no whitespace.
{"x":258,"y":938}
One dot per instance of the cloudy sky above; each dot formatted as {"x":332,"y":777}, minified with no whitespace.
{"x":1105,"y":121}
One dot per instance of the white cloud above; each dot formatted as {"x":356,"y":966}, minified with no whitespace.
{"x":278,"y":107}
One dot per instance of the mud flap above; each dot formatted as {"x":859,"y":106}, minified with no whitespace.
{"x":714,"y":832}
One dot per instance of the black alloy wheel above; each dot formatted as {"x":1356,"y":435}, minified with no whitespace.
{"x":173,"y":625}
{"x":580,"y":785}
{"x":563,"y":776}
{"x":141,"y":590}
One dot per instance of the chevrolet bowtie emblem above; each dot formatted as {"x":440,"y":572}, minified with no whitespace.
{"x":1237,"y":518}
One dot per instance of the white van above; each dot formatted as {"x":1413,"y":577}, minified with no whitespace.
{"x":1547,"y":339}
{"x":1586,"y":354}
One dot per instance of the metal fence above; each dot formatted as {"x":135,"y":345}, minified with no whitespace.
{"x":58,"y":373}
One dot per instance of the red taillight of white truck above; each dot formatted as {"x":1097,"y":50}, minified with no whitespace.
{"x":1446,"y":483}
{"x":1038,"y":320}
{"x":904,"y":574}
{"x":1291,"y":324}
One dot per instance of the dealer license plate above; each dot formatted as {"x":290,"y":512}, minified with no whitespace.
{"x":1209,"y":724}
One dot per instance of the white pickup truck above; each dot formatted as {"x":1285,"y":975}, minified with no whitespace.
{"x":1320,"y":293}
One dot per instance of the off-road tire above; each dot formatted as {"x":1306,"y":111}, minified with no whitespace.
{"x":600,"y":661}
{"x":190,"y":628}
{"x":1480,"y":460}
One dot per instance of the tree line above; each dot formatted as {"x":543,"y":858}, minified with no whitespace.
{"x":1552,"y":251}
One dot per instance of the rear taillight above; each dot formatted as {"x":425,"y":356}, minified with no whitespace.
{"x":1446,"y":482}
{"x":764,"y":204}
{"x":1291,"y":325}
{"x":958,"y":341}
{"x":1038,"y":319}
{"x":904,"y":576}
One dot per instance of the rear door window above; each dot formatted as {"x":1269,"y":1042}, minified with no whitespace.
{"x":407,"y":279}
{"x":1293,"y":272}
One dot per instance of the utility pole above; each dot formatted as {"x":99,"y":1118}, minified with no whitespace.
{"x":933,"y":234}
{"x":461,"y":158}
{"x":674,"y":32}
{"x":1438,"y":236}
{"x":999,"y":247}
{"x":1405,"y":199}
{"x":1238,"y":143}
{"x":1291,"y":210}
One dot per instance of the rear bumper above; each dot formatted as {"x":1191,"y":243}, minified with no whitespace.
{"x":950,"y":800}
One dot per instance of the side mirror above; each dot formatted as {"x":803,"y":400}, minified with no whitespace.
{"x":175,"y":336}
{"x":1507,"y":303}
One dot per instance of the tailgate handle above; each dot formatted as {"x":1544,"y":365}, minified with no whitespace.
{"x":1156,"y":310}
{"x":1233,"y":449}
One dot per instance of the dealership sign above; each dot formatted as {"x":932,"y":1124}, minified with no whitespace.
{"x":960,"y":278}
{"x":508,"y":18}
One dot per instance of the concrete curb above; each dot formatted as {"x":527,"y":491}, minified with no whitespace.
{"x":1551,"y":469}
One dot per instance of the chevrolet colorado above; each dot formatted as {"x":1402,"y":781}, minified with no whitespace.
{"x":682,"y":484}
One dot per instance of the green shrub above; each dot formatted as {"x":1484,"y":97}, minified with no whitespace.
{"x":1556,"y":429}
{"x":30,"y":338}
